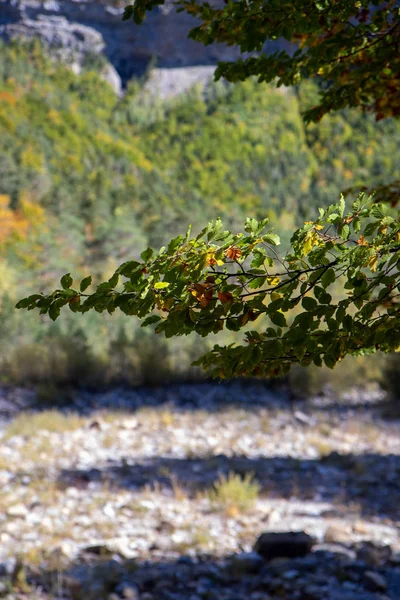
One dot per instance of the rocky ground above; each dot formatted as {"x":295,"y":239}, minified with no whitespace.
{"x":161,"y":494}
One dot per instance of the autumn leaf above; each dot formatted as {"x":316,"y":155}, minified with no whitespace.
{"x":233,"y":252}
{"x":202,"y":293}
{"x":311,"y":239}
{"x":273,"y":281}
{"x":362,"y":241}
{"x":211,"y":260}
{"x":373,"y":262}
{"x":225,"y":297}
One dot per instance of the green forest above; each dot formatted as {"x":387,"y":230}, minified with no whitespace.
{"x":88,"y":180}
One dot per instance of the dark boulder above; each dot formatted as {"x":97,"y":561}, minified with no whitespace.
{"x":291,"y":544}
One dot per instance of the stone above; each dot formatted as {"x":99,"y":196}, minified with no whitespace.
{"x":128,"y":591}
{"x":337,"y":534}
{"x":109,"y":572}
{"x":18,"y":511}
{"x":246,"y":563}
{"x":97,"y":591}
{"x":99,"y":550}
{"x":374,"y":581}
{"x":291,"y":574}
{"x":74,"y":585}
{"x":313,"y":592}
{"x":303,"y":418}
{"x":291,"y":544}
{"x":374,"y":555}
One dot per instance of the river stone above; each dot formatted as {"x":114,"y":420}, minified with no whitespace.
{"x":337,"y":534}
{"x":245,"y":563}
{"x":374,"y":555}
{"x":128,"y":591}
{"x":291,"y":544}
{"x":374,"y":581}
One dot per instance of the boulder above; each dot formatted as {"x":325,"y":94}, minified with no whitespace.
{"x":291,"y":544}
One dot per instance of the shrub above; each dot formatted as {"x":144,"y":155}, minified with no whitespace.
{"x":234,"y":493}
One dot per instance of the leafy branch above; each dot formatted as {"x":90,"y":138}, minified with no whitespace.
{"x":220,"y":279}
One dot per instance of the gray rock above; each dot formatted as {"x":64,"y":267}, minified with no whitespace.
{"x":101,"y":550}
{"x":290,"y":544}
{"x":337,"y":534}
{"x":18,"y":511}
{"x":165,"y":83}
{"x":374,"y":581}
{"x":374,"y":555}
{"x":128,"y":591}
{"x":74,"y":585}
{"x":109,"y":573}
{"x":96,"y":591}
{"x":246,"y":563}
{"x":67,"y":39}
{"x":291,"y":574}
{"x":110,"y":75}
{"x":313,"y":592}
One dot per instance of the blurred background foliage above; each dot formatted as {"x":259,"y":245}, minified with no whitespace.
{"x":88,"y":180}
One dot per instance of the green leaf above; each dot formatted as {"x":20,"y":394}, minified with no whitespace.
{"x":85,"y":283}
{"x":272,"y":238}
{"x":54,"y":311}
{"x":328,"y":277}
{"x":151,"y":320}
{"x":128,"y":12}
{"x":66,"y":281}
{"x":147,"y":254}
{"x":309,"y":303}
{"x":344,"y":231}
{"x":278,"y":319}
{"x":251,"y":225}
{"x":113,"y":281}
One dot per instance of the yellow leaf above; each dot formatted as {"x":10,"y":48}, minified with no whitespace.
{"x":311,"y":239}
{"x":273,"y":280}
{"x":373,"y":262}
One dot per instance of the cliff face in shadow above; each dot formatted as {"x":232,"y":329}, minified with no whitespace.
{"x":77,"y":28}
{"x":81,"y":27}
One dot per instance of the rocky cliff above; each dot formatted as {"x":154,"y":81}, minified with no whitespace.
{"x":76,"y":28}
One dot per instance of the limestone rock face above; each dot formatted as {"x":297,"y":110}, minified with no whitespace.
{"x":165,"y":83}
{"x":81,"y":27}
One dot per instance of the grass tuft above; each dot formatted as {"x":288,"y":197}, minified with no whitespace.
{"x":234,"y":493}
{"x":28,"y":424}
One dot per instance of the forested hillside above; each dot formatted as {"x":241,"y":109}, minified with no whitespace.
{"x":88,"y":179}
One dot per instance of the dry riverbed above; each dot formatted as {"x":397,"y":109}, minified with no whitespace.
{"x":161,"y":494}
